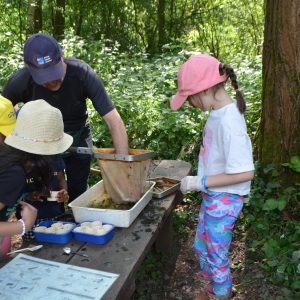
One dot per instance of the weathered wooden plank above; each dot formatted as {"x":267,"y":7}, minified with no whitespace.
{"x":126,"y":251}
{"x":176,"y":169}
{"x":55,"y":251}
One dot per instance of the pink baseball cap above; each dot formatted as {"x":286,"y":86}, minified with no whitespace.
{"x":198,"y":73}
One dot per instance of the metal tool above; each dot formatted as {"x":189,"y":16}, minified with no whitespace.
{"x":68,"y":250}
{"x":161,"y":182}
{"x":107,"y":153}
{"x":34,"y":248}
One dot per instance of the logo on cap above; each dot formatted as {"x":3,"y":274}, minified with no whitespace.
{"x":44,"y":60}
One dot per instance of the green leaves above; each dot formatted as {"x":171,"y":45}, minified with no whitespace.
{"x":296,"y":285}
{"x":294,"y":164}
{"x":272,"y":204}
{"x":271,"y":248}
{"x":272,"y":218}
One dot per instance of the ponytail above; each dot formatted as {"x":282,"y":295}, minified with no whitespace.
{"x":228,"y":70}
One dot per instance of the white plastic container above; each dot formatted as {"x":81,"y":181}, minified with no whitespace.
{"x":120,"y":218}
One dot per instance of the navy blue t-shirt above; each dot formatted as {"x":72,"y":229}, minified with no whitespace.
{"x":12,"y":182}
{"x":48,"y":209}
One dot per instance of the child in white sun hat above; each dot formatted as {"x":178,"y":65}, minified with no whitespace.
{"x":39,"y":130}
{"x":38,"y":197}
{"x":39,"y":133}
{"x":225,"y":167}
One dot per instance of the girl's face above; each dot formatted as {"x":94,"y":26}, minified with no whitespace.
{"x":202,"y":100}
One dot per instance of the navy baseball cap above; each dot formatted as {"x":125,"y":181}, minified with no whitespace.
{"x":42,"y":55}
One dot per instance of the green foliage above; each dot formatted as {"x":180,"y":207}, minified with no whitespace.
{"x":272,"y":204}
{"x":294,"y":164}
{"x":10,"y":60}
{"x":218,"y":23}
{"x":221,"y":27}
{"x":149,"y":277}
{"x":185,"y":216}
{"x":141,"y":87}
{"x":272,"y":221}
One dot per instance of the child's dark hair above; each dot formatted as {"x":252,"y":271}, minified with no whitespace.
{"x":42,"y":164}
{"x":228,"y":70}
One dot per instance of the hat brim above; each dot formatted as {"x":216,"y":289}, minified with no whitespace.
{"x":51,"y":73}
{"x":7,"y":129}
{"x":37,"y":147}
{"x":177,"y":101}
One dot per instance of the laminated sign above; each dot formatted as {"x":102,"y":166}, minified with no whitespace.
{"x":29,"y":278}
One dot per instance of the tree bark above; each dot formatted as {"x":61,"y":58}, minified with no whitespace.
{"x":59,"y":19}
{"x":34,"y":17}
{"x":280,"y":127}
{"x":161,"y":23}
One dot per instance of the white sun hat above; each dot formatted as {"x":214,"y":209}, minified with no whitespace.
{"x":39,"y":130}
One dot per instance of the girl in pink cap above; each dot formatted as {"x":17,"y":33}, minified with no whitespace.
{"x":225,"y":167}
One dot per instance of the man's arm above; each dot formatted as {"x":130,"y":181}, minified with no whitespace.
{"x":117,"y":131}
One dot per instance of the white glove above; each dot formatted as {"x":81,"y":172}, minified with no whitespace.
{"x":191,"y":183}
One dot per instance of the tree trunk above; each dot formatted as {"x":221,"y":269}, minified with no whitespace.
{"x":59,"y":19}
{"x":280,"y":127}
{"x":34,"y":17}
{"x":161,"y":23}
{"x":51,"y":11}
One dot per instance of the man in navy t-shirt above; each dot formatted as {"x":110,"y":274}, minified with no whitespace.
{"x":66,"y":84}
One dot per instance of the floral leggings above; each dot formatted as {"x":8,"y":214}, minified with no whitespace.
{"x":217,"y":216}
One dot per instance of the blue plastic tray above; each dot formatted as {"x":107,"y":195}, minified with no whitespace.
{"x":53,"y":237}
{"x":94,"y":239}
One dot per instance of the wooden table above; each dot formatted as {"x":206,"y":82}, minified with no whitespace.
{"x":125,"y":253}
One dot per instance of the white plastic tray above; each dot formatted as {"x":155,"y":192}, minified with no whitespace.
{"x":120,"y":218}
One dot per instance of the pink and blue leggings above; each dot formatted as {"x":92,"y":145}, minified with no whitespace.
{"x":217,"y":216}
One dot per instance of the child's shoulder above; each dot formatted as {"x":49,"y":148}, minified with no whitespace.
{"x":233,"y":120}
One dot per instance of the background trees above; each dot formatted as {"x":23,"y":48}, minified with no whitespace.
{"x":136,"y":47}
{"x":143,"y":25}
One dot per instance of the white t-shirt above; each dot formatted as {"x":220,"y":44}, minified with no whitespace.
{"x":226,"y":148}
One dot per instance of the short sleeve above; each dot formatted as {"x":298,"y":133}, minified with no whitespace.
{"x":96,"y":92}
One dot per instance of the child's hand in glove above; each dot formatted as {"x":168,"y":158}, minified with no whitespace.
{"x":191,"y":183}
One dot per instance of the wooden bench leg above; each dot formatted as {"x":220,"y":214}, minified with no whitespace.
{"x":164,"y":241}
{"x":128,"y":291}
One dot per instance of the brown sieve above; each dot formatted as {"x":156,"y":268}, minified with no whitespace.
{"x":124,"y":180}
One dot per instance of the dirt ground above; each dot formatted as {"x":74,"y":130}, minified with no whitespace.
{"x":180,"y":276}
{"x":183,"y":282}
